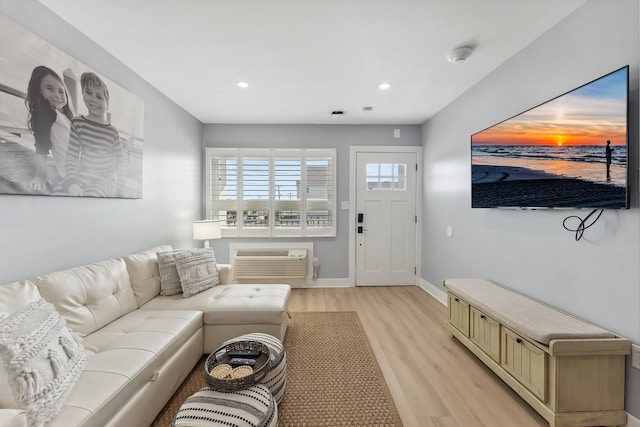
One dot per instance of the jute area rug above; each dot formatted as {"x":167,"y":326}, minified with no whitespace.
{"x":333,"y":378}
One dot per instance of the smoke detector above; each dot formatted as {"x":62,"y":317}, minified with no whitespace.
{"x":460,"y":54}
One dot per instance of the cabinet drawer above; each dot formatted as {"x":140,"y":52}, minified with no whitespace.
{"x":484,"y":331}
{"x":526,"y":362}
{"x":459,"y":313}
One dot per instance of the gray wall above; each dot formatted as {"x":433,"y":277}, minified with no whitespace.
{"x":597,"y":278}
{"x":40,"y":234}
{"x":332,"y":252}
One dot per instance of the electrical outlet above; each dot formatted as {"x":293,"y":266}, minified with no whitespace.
{"x":635,"y":356}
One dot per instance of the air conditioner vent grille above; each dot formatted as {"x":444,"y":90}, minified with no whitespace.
{"x":256,"y":264}
{"x":262,"y":252}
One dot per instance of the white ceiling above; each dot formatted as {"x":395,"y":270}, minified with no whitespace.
{"x":304,"y":59}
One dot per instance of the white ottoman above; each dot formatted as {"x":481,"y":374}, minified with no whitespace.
{"x":251,"y":407}
{"x":276,"y":378}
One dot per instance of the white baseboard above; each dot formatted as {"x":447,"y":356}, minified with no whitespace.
{"x":345,"y":283}
{"x":330,"y":283}
{"x":632,"y":421}
{"x":432,"y":290}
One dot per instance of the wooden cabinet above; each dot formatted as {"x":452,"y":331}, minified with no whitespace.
{"x":459,"y":314}
{"x":525,"y":361}
{"x":570,"y":382}
{"x":484,"y":331}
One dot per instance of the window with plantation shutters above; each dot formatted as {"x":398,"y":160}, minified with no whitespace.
{"x":271,"y":192}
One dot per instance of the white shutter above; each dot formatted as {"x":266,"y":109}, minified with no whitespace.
{"x":221,"y":187}
{"x":256,"y":194}
{"x":320,"y":193}
{"x":287,"y":198}
{"x":271,"y":192}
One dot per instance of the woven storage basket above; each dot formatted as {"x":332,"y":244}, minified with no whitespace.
{"x":220,"y":356}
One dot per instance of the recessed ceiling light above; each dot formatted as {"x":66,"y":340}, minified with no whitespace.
{"x":384,"y":86}
{"x":243,"y":85}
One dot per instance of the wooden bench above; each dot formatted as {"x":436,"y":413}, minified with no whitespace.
{"x":570,"y":371}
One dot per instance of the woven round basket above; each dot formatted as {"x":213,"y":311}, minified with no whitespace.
{"x":221,"y":356}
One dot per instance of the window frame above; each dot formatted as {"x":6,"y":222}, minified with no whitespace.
{"x":271,"y":204}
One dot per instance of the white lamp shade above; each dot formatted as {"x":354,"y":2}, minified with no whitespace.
{"x":206,"y":230}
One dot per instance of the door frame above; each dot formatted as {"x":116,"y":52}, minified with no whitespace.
{"x":353,"y":153}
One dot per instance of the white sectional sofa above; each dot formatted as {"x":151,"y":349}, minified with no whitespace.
{"x":139,"y":345}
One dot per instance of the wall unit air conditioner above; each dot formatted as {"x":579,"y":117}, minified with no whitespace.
{"x":269,"y":264}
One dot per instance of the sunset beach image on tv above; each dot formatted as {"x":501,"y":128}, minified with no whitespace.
{"x":570,"y":152}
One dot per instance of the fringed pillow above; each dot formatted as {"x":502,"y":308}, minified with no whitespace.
{"x":169,"y":278}
{"x":198,"y":271}
{"x":42,"y":357}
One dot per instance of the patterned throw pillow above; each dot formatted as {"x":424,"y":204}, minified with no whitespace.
{"x":197,"y":270}
{"x":169,"y":278}
{"x":43,"y":359}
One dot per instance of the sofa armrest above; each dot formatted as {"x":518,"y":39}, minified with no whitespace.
{"x":224,"y":272}
{"x":13,"y":418}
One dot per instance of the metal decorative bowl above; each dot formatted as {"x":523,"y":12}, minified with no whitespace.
{"x":221,"y":356}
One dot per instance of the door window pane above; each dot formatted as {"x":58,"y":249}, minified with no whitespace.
{"x":386,"y":176}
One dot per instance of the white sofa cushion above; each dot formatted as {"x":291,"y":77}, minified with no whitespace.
{"x":232,"y":304}
{"x":143,"y":273}
{"x":42,"y":358}
{"x":122,"y":358}
{"x":17,"y":295}
{"x":91,"y":296}
{"x":13,"y":418}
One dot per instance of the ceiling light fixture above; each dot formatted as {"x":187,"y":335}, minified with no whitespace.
{"x":459,"y":54}
{"x":384,"y":86}
{"x":243,"y":85}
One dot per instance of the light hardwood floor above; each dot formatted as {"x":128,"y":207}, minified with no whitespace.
{"x":435,"y":381}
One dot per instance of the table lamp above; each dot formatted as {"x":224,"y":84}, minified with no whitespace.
{"x":206,"y":230}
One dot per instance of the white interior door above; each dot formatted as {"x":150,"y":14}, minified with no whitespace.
{"x":385,"y":218}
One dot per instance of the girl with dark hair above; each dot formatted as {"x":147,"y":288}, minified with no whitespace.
{"x":49,"y":120}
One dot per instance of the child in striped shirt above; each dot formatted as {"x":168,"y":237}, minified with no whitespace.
{"x":95,"y":160}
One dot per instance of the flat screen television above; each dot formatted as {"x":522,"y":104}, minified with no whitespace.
{"x":569,"y":152}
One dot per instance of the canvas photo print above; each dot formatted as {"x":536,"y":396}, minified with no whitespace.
{"x":65,"y":129}
{"x":570,"y":152}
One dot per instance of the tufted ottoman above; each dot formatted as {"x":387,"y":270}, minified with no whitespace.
{"x":276,"y":378}
{"x":251,"y":407}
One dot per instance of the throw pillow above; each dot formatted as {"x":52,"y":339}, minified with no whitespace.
{"x":169,"y":278}
{"x":197,"y":270}
{"x":13,"y":297}
{"x":43,"y":359}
